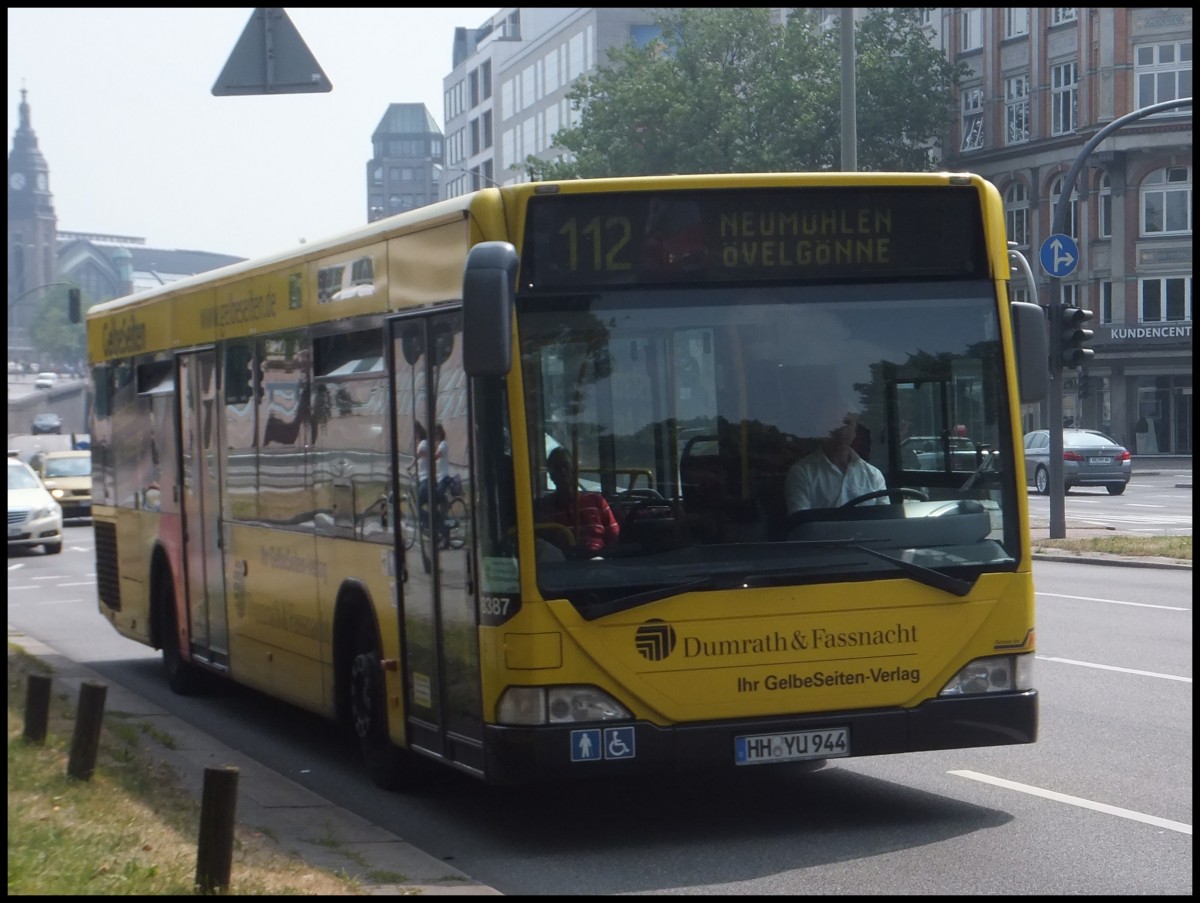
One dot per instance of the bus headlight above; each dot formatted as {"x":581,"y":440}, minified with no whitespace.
{"x":558,"y":705}
{"x":995,"y":674}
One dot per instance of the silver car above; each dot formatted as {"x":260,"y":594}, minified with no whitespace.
{"x":34,"y":517}
{"x":1090,"y":458}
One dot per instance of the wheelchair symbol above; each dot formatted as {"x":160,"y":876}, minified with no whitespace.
{"x":618,"y":743}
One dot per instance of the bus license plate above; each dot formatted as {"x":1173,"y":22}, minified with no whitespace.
{"x":760,"y":749}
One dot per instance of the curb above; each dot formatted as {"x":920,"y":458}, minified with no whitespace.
{"x":1117,"y":560}
{"x":296,"y":819}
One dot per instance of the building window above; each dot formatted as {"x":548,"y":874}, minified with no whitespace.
{"x":473,"y":88}
{"x":970,"y":23}
{"x":1167,"y":202}
{"x":1016,"y":214}
{"x":1071,"y":223}
{"x":1106,"y":206}
{"x":1164,"y":72}
{"x":529,"y":92}
{"x":972,"y":121}
{"x":485,"y":78}
{"x":485,"y":127}
{"x":1165,"y":300}
{"x":1016,"y":22}
{"x":1016,"y":109}
{"x":1064,"y":97}
{"x":1062,"y":14}
{"x":1018,"y":294}
{"x":574,"y":57}
{"x":1106,"y":302}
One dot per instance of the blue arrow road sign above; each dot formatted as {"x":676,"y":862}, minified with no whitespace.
{"x":1059,"y":255}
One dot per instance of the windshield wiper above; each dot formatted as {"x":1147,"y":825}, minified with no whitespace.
{"x":928,"y":576}
{"x":622,"y":603}
{"x":739,"y":580}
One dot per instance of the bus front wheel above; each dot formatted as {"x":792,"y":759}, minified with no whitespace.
{"x":184,"y":678}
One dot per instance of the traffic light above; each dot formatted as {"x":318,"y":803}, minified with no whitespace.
{"x":1072,"y":336}
{"x":74,"y":306}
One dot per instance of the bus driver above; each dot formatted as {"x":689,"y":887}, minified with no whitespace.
{"x":834,"y":473}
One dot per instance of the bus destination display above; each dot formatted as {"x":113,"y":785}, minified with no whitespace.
{"x":808,"y":234}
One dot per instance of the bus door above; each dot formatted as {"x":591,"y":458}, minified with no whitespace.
{"x":199,"y":443}
{"x":438,"y":625}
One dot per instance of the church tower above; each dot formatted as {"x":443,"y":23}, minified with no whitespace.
{"x":32,"y":232}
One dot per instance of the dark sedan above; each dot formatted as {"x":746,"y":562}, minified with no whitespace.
{"x":1090,"y":458}
{"x":46,"y":423}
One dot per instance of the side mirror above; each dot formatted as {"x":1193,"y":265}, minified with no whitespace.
{"x":489,"y":292}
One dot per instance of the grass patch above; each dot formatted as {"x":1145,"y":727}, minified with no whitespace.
{"x":1155,"y":546}
{"x":132,"y":828}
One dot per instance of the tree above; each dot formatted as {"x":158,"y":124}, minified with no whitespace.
{"x":52,"y":335}
{"x":724,"y":90}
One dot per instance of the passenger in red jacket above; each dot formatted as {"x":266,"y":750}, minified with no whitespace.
{"x":586,"y":514}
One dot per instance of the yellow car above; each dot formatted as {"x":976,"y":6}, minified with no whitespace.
{"x":68,"y":476}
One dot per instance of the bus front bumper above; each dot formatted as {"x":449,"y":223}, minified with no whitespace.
{"x":573,"y":751}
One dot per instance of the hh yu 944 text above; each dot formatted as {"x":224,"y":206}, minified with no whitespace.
{"x":594,"y":477}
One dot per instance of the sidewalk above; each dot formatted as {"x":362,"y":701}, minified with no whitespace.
{"x":1155,"y":465}
{"x":299,"y":821}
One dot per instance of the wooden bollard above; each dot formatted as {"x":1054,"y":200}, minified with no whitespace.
{"x":85,"y":744}
{"x":214,"y":857}
{"x":37,"y":708}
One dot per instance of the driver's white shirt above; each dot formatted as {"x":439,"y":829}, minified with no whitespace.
{"x":816,"y":482}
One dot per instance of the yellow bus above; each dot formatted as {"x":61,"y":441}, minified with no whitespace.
{"x":342,"y":475}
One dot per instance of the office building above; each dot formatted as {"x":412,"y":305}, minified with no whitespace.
{"x":1042,"y":83}
{"x":406,"y":165}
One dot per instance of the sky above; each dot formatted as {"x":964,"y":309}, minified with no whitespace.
{"x":137,"y":145}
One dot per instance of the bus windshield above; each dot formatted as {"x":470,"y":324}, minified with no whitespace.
{"x":692,"y":413}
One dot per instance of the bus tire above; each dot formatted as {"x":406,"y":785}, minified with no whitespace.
{"x":184,"y":678}
{"x":368,"y":709}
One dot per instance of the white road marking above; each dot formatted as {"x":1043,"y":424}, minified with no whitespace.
{"x":1115,"y":602}
{"x":1071,"y":661}
{"x":1077,"y":801}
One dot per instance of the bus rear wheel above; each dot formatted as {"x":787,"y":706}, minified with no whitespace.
{"x":368,"y":710}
